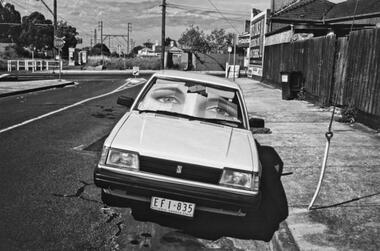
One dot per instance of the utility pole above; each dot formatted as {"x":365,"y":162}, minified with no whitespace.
{"x":235,"y":40}
{"x":54,"y":13}
{"x":55,"y":20}
{"x":95,"y":38}
{"x":128,"y":38}
{"x":163,"y":34}
{"x":101,"y":39}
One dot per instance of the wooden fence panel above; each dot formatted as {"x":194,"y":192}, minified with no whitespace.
{"x":340,"y":70}
{"x":362,"y":85}
{"x":344,"y":70}
{"x":312,"y":57}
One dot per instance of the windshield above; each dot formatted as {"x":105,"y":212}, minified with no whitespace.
{"x":194,"y":99}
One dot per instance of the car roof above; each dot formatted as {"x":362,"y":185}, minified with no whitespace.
{"x":196,"y":76}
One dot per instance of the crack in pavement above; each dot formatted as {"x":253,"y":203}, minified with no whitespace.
{"x":78,"y":192}
{"x":120,"y":227}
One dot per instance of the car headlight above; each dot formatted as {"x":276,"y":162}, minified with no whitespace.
{"x":123,"y":159}
{"x":240,"y":179}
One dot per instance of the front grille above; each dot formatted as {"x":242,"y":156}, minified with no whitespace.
{"x":192,"y":172}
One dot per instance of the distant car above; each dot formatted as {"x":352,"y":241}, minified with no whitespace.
{"x":186,"y":146}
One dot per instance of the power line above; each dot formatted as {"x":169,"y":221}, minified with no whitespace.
{"x":213,"y":15}
{"x":223,"y":16}
{"x":187,"y":7}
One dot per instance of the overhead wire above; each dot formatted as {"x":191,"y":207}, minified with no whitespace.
{"x":216,"y":8}
{"x":209,"y":15}
{"x":187,"y":7}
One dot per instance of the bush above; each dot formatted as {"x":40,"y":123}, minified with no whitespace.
{"x":349,"y":114}
{"x":3,"y":65}
{"x":126,"y":63}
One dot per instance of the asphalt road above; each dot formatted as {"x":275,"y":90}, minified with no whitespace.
{"x":48,"y":200}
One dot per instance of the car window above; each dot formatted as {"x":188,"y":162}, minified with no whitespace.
{"x":198,"y":100}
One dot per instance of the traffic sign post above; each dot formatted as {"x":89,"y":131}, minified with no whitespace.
{"x":136,"y":71}
{"x":59,"y":42}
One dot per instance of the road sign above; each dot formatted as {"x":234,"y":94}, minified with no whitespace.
{"x":136,"y":71}
{"x":59,"y":42}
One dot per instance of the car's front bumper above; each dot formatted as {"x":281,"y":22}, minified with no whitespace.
{"x":141,"y":186}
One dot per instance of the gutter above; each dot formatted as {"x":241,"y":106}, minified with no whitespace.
{"x":356,"y":17}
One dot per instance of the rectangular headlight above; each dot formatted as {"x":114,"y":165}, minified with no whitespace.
{"x":123,"y":159}
{"x":239,"y":179}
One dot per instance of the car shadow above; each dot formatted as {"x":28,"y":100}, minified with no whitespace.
{"x":206,"y":225}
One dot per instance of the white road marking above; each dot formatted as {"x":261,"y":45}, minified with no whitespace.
{"x":120,"y":88}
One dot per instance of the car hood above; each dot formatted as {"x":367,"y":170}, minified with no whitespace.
{"x":188,"y":141}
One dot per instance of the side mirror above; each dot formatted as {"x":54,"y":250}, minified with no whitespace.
{"x":125,"y":101}
{"x":256,"y":123}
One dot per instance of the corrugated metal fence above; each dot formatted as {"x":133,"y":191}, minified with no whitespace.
{"x":345,"y":69}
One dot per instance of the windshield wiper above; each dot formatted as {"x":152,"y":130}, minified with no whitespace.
{"x":168,"y":113}
{"x":222,"y":121}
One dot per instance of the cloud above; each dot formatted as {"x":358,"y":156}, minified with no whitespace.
{"x":145,"y":16}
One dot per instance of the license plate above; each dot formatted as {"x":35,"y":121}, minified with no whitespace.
{"x":172,"y":206}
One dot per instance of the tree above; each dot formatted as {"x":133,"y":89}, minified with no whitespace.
{"x":148,"y":44}
{"x":168,"y":40}
{"x":136,"y":49}
{"x":97,"y":49}
{"x":69,"y":33}
{"x":36,"y":31}
{"x":219,"y":40}
{"x":194,"y":39}
{"x":8,"y":14}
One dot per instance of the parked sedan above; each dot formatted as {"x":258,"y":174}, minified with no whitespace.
{"x":185,"y":146}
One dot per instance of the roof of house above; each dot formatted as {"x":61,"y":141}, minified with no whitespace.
{"x":324,"y":9}
{"x":306,"y":9}
{"x":347,"y":8}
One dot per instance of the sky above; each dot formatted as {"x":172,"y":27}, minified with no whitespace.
{"x":145,"y":16}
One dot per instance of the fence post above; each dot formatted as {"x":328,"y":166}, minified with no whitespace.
{"x":9,"y":65}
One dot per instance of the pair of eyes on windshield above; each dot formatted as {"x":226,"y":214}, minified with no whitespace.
{"x":193,"y":99}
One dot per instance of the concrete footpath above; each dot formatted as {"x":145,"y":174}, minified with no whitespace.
{"x":19,"y":87}
{"x":346,"y":215}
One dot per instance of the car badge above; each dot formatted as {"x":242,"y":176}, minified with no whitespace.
{"x":179,"y":169}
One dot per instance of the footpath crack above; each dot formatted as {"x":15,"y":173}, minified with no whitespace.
{"x":79,"y":193}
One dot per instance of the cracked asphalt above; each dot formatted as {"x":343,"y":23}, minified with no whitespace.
{"x":48,"y":199}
